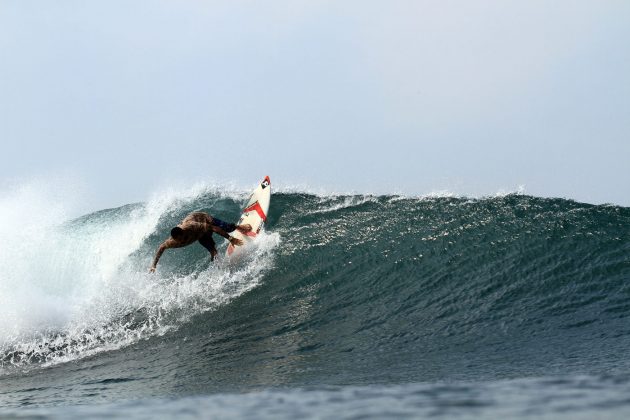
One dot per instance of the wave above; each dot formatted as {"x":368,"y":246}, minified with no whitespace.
{"x":75,"y":288}
{"x":386,"y":277}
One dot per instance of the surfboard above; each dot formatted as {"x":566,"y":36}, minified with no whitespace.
{"x":255,"y":213}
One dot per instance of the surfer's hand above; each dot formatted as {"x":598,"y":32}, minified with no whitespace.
{"x":213,"y":254}
{"x":235,"y":241}
{"x":152,"y":270}
{"x":244,"y":228}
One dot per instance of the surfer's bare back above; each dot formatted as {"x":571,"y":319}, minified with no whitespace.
{"x":199,"y":226}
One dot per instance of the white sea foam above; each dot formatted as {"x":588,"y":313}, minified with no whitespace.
{"x":329,"y":194}
{"x":69,"y":289}
{"x":334,"y":203}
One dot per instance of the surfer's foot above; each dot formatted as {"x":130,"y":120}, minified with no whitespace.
{"x":244,"y":228}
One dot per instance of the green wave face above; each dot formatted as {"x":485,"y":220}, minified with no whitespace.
{"x":416,"y":289}
{"x":361,"y":289}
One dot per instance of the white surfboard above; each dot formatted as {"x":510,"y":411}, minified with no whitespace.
{"x":255,"y":213}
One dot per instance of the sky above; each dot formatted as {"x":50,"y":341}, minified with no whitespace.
{"x":386,"y":97}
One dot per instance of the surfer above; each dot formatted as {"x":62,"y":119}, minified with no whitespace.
{"x":199,"y":226}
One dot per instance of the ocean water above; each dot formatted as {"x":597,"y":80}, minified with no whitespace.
{"x":349,"y":306}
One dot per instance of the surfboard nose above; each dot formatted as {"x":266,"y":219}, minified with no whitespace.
{"x":266,"y":182}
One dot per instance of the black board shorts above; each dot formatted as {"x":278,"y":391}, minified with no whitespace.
{"x":228,"y":227}
{"x":207,"y":241}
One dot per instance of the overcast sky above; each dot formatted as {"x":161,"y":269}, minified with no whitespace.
{"x":412,"y":97}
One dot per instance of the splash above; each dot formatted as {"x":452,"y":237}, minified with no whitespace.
{"x":74,"y":287}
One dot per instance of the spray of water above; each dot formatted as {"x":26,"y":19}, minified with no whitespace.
{"x":72,"y":288}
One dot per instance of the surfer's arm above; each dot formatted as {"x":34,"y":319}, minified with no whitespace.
{"x":163,"y":246}
{"x":234,"y":241}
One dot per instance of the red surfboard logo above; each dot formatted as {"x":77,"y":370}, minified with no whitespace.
{"x":256,"y":207}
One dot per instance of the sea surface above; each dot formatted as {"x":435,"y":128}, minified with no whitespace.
{"x":348,"y":306}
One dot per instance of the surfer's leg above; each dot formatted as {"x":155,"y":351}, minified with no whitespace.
{"x":208,"y":243}
{"x":228,"y":227}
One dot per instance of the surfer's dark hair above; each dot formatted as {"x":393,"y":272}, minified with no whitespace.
{"x":176,"y":232}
